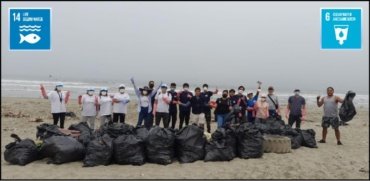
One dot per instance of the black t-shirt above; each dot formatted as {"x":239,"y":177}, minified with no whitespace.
{"x":206,"y":97}
{"x":173,"y":106}
{"x":184,"y":98}
{"x":197,"y":104}
{"x":222,"y":106}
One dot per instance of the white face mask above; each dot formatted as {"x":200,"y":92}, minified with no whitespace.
{"x":173,"y":88}
{"x":205,"y":88}
{"x":145,"y":92}
{"x":263,"y":99}
{"x":296,"y":93}
{"x":186,"y":89}
{"x":90,"y":93}
{"x":240,"y":91}
{"x":59,"y":88}
{"x":122,"y":91}
{"x":104,"y":93}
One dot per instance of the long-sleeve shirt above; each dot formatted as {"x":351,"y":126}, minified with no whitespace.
{"x":175,"y":97}
{"x":150,"y":95}
{"x":185,"y":98}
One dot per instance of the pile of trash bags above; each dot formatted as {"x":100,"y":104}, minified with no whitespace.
{"x":119,"y":143}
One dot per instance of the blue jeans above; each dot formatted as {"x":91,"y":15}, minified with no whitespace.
{"x":143,"y":115}
{"x":221,"y":120}
{"x":250,"y":117}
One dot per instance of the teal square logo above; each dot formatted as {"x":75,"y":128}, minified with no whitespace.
{"x":29,"y":28}
{"x":341,"y":28}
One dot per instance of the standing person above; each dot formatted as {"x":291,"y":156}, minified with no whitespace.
{"x":197,"y":106}
{"x":162,"y":106}
{"x":273,"y":102}
{"x":120,"y":101}
{"x":232,"y":98}
{"x":242,"y":103}
{"x":206,"y":96}
{"x":250,"y":104}
{"x":330,"y":117}
{"x":173,"y":105}
{"x":152,"y":99}
{"x":89,"y":104}
{"x":296,"y":109}
{"x":222,"y":109}
{"x":185,"y":105}
{"x":58,"y":100}
{"x":105,"y":106}
{"x":144,"y":105}
{"x":261,"y":110}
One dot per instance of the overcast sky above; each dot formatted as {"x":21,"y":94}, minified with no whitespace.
{"x":221,"y":43}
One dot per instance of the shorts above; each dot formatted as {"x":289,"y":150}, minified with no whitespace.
{"x":330,"y":121}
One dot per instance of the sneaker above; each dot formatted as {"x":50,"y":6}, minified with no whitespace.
{"x":339,"y":143}
{"x":322,"y":141}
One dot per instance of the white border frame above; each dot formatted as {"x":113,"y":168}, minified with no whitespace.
{"x":51,"y":13}
{"x":345,"y":49}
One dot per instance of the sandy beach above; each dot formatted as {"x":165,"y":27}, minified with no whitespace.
{"x":329,"y":161}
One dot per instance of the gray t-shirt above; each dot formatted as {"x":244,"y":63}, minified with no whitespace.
{"x":296,"y":104}
{"x":271,"y":104}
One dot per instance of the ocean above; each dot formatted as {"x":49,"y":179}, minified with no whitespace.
{"x":31,"y":89}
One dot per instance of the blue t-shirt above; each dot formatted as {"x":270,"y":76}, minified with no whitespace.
{"x":251,"y":102}
{"x":296,"y":104}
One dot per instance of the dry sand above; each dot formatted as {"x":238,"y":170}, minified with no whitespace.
{"x":329,"y":161}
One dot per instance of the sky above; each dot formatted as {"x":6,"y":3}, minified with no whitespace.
{"x":219,"y":43}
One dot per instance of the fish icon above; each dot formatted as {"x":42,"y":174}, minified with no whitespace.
{"x":30,"y":38}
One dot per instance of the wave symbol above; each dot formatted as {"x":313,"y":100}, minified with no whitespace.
{"x":38,"y":30}
{"x":29,"y":26}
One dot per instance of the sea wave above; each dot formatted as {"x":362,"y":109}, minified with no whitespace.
{"x":29,"y":26}
{"x":38,"y":30}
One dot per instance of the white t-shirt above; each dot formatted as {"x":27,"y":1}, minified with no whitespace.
{"x":88,"y":105}
{"x":121,"y":107}
{"x":57,"y":106}
{"x":144,"y":100}
{"x":162,"y":106}
{"x":105,"y":103}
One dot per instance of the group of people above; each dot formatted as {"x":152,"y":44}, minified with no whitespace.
{"x":164,"y":104}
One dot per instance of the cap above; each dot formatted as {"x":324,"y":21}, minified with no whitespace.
{"x":90,"y":89}
{"x":164,"y":85}
{"x":59,"y":84}
{"x":103,"y":89}
{"x":249,"y":92}
{"x":121,"y":86}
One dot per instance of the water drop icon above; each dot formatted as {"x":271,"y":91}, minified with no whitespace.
{"x":341,"y":34}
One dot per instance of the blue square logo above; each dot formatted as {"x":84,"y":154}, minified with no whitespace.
{"x":341,"y":28}
{"x":29,"y":28}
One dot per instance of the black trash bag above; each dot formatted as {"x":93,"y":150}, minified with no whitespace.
{"x":250,"y":141}
{"x":99,"y":151}
{"x":347,"y":110}
{"x":289,"y":131}
{"x":190,"y":143}
{"x":21,"y":152}
{"x":231,"y":139}
{"x":116,"y":129}
{"x":309,"y":138}
{"x":129,"y":149}
{"x":46,"y":130}
{"x":221,"y":147}
{"x":86,"y":134}
{"x":295,"y":137}
{"x":141,"y":132}
{"x":62,"y":149}
{"x":274,"y":126}
{"x":160,"y":145}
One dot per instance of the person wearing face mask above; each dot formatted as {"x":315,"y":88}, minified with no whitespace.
{"x":330,"y":117}
{"x":296,"y":109}
{"x":222,"y":108}
{"x":261,"y":110}
{"x":242,"y":103}
{"x":151,"y":89}
{"x":173,"y":105}
{"x":197,"y":106}
{"x":58,"y":100}
{"x":251,"y":100}
{"x":232,"y":98}
{"x":184,"y":105}
{"x":144,"y":96}
{"x":89,"y":104}
{"x":120,"y":102}
{"x":273,"y":102}
{"x":161,"y":106}
{"x":206,"y":96}
{"x":105,"y":106}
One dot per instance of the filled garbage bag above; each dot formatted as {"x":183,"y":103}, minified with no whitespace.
{"x":62,"y":149}
{"x":141,"y":132}
{"x":116,"y":129}
{"x":190,"y":143}
{"x":21,"y":152}
{"x":309,"y":138}
{"x":294,"y":135}
{"x":221,"y":147}
{"x":347,"y":110}
{"x":160,"y":145}
{"x":85,"y":132}
{"x":271,"y":126}
{"x":129,"y":149}
{"x":99,"y":151}
{"x":250,"y":141}
{"x":46,"y":130}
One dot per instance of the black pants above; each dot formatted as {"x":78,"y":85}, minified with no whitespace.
{"x":296,"y":119}
{"x":61,"y":116}
{"x":164,"y":116}
{"x":121,"y":117}
{"x":184,"y":116}
{"x":173,"y":118}
{"x":207,"y":115}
